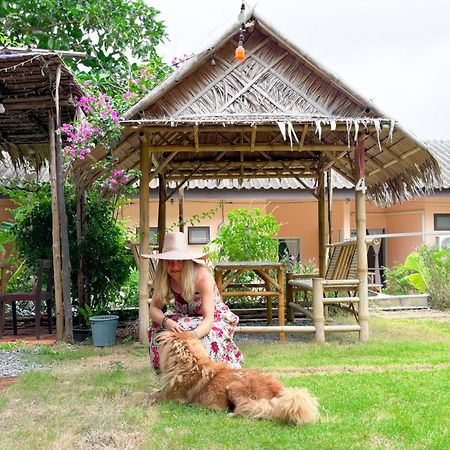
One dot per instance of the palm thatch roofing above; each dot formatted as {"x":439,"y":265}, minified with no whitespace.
{"x":27,"y":93}
{"x":277,"y":114}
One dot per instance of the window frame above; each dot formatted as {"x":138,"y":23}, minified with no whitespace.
{"x":205,"y":241}
{"x":435,"y":220}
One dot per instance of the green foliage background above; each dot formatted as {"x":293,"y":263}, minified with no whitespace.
{"x":109,"y":31}
{"x":107,"y":261}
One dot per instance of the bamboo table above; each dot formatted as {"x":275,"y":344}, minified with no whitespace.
{"x":227,"y":272}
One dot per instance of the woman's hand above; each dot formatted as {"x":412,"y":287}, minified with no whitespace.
{"x":171,"y":325}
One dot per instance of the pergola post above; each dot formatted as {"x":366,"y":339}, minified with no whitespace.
{"x":361,"y":247}
{"x":56,"y":234}
{"x":181,"y":208}
{"x":162,"y":210}
{"x":144,"y":239}
{"x":321,"y":225}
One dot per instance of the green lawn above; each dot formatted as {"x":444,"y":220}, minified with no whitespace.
{"x":396,"y":397}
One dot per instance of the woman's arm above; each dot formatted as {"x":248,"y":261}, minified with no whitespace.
{"x":205,"y":287}
{"x":157,"y":316}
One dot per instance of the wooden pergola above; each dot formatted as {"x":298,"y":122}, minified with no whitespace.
{"x":37,"y":94}
{"x":278,"y":113}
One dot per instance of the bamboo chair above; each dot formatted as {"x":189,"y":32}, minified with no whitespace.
{"x":37,"y":296}
{"x":341,"y":276}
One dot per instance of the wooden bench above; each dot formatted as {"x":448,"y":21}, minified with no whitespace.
{"x":341,"y":276}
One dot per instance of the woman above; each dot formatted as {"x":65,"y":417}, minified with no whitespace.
{"x":198,"y":306}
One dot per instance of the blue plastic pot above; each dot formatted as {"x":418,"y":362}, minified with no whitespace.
{"x":104,"y":330}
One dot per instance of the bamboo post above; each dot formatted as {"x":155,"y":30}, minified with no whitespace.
{"x":65,"y":255}
{"x":318,"y":315}
{"x":281,"y":311}
{"x":289,"y":297}
{"x":330,"y":206}
{"x":268,"y":305}
{"x":144,"y":239}
{"x":361,"y":247}
{"x":321,"y":219}
{"x":162,"y":210}
{"x":81,"y":226}
{"x":181,"y":208}
{"x":56,"y":235}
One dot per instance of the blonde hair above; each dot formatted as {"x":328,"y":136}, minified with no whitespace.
{"x":188,"y":280}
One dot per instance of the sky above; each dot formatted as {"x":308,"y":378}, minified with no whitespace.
{"x":395,"y":53}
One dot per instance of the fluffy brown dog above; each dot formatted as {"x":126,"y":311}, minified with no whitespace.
{"x":189,"y":376}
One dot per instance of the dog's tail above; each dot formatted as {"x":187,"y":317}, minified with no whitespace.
{"x":291,"y":405}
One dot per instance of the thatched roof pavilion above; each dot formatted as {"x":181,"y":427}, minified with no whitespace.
{"x":277,"y":114}
{"x":37,"y":92}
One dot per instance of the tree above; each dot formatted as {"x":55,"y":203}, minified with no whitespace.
{"x":111,"y":32}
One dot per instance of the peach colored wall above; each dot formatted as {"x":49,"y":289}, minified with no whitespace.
{"x":298,"y":219}
{"x":191,"y":208}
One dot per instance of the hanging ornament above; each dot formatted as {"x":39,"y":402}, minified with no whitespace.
{"x":239,"y":54}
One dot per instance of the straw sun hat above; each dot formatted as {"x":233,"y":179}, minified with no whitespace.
{"x":176,"y":248}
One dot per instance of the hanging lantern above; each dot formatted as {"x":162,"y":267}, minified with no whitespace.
{"x":239,"y":54}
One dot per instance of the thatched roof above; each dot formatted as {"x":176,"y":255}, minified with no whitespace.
{"x":27,"y":89}
{"x":277,"y":114}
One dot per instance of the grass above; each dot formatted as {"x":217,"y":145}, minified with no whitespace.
{"x":397,"y":397}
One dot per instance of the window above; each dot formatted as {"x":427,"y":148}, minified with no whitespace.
{"x":290,"y":247}
{"x":198,"y":235}
{"x":442,"y":222}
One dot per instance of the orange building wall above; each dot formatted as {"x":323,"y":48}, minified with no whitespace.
{"x":298,"y":219}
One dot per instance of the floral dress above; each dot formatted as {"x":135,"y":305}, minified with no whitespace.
{"x":218,"y":342}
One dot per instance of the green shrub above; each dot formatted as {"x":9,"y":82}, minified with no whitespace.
{"x":397,"y":282}
{"x":249,"y":236}
{"x":107,"y":261}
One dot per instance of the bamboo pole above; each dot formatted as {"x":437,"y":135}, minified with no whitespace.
{"x":318,"y":313}
{"x":56,"y":236}
{"x":281,"y":299}
{"x":162,"y":210}
{"x":330,"y":206}
{"x":289,"y":297}
{"x":65,"y":256}
{"x":81,"y":227}
{"x":181,"y":208}
{"x":361,"y":249}
{"x":144,"y":240}
{"x":321,"y":220}
{"x":268,"y":304}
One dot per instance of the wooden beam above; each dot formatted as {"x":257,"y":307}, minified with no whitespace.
{"x":247,"y":148}
{"x":253,"y":138}
{"x":197,"y":145}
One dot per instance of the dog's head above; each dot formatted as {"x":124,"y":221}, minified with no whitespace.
{"x":182,"y":357}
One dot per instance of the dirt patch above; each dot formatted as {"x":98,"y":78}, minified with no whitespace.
{"x":331,"y":370}
{"x":7,"y":381}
